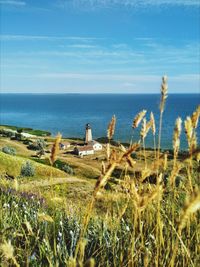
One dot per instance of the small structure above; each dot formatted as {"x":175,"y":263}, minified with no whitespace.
{"x":64,"y":145}
{"x":96,"y":146}
{"x":88,"y":139}
{"x":88,"y":133}
{"x":84,"y":150}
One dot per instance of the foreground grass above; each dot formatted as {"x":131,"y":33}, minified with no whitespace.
{"x":43,"y":235}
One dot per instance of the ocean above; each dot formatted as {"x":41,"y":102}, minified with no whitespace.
{"x":68,"y":113}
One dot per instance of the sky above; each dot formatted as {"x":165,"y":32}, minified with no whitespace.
{"x":99,"y":46}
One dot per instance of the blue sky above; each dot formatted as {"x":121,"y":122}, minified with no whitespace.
{"x":99,"y":46}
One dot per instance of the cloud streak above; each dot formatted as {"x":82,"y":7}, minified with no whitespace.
{"x":127,"y":3}
{"x":43,"y":38}
{"x":13,"y":3}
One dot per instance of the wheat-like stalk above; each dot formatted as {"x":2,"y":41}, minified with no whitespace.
{"x":164,"y":88}
{"x":153,"y":128}
{"x":143,"y":129}
{"x":153,"y":124}
{"x":188,"y":129}
{"x":176,"y":136}
{"x":55,"y":149}
{"x":8,"y":252}
{"x":111,"y":128}
{"x":195,"y":117}
{"x":191,"y":207}
{"x":138,"y":118}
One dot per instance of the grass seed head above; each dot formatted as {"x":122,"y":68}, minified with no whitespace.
{"x":138,"y":118}
{"x":143,"y":129}
{"x":164,"y":90}
{"x":191,"y":207}
{"x":7,"y":250}
{"x":111,"y":128}
{"x":153,"y":125}
{"x":176,"y":135}
{"x":55,"y":148}
{"x":195,"y":117}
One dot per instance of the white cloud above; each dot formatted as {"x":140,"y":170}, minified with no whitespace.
{"x":127,"y":3}
{"x":12,"y":3}
{"x":43,"y":38}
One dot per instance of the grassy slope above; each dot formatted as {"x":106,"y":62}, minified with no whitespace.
{"x":21,"y":149}
{"x":12,"y":165}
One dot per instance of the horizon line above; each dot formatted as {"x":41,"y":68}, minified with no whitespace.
{"x":98,"y":93}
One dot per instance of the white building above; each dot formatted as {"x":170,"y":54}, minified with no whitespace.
{"x":96,"y":146}
{"x":84,"y":150}
{"x":88,"y":139}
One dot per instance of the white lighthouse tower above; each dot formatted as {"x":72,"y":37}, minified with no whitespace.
{"x":88,"y":133}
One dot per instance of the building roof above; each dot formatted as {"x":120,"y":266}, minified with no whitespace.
{"x":84,"y":148}
{"x":93,"y":142}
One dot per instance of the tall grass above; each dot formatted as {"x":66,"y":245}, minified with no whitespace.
{"x":152,"y":220}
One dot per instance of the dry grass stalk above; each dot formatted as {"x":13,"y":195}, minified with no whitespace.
{"x":195,"y":117}
{"x":165,"y":165}
{"x":108,"y":151}
{"x":113,"y":156}
{"x":42,"y":217}
{"x":175,"y":171}
{"x":141,"y":201}
{"x":55,"y":149}
{"x":153,"y":128}
{"x":143,"y":129}
{"x":188,"y":129}
{"x":145,"y":173}
{"x":148,"y":126}
{"x":191,"y":207}
{"x":138,"y":118}
{"x":198,"y":157}
{"x":143,"y":134}
{"x":111,"y":128}
{"x":191,"y":135}
{"x":130,"y":150}
{"x":103,"y":179}
{"x":153,"y":124}
{"x":103,"y":168}
{"x":130,"y":161}
{"x":164,"y":88}
{"x":176,"y":137}
{"x":7,"y":251}
{"x":147,"y":198}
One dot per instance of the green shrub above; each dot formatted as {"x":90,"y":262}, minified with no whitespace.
{"x":7,"y":133}
{"x":28,"y":169}
{"x":64,"y":167}
{"x":39,"y":144}
{"x":9,"y":150}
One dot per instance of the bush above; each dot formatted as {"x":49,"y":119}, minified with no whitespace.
{"x":9,"y":150}
{"x":64,"y":167}
{"x":39,"y":144}
{"x":7,"y":133}
{"x":28,"y":169}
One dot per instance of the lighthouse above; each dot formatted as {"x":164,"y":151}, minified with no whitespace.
{"x":88,"y":133}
